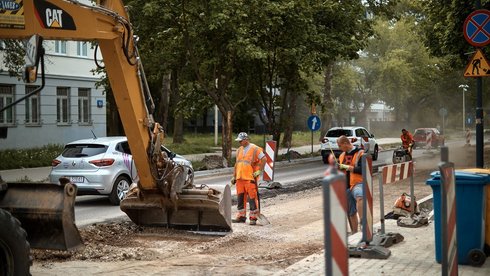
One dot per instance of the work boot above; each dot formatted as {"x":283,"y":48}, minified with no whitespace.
{"x":239,"y":220}
{"x":253,"y":221}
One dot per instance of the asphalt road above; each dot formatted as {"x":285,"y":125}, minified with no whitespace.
{"x":93,"y":209}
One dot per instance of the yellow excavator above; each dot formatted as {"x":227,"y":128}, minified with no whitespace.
{"x":41,"y":215}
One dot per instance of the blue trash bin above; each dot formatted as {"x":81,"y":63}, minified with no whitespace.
{"x":470,"y":215}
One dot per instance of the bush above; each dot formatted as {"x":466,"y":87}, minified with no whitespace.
{"x":29,"y":158}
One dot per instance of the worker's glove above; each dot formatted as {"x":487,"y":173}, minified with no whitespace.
{"x":410,"y":145}
{"x":233,"y":181}
{"x":257,"y":173}
{"x":343,"y":167}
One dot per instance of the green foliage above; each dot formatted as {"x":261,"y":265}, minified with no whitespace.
{"x":13,"y":57}
{"x":443,"y":28}
{"x":29,"y":158}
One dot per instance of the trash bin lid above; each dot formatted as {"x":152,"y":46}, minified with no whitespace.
{"x":467,"y":177}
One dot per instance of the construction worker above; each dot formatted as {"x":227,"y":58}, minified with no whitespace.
{"x":407,"y":142}
{"x":250,"y":162}
{"x":351,"y":164}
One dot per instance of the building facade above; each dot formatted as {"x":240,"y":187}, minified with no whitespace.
{"x":68,"y":108}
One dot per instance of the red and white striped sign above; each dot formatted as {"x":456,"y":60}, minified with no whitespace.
{"x":450,"y":250}
{"x":396,"y":172}
{"x":335,"y":223}
{"x":367,"y":175}
{"x":468,"y":137}
{"x":270,"y":150}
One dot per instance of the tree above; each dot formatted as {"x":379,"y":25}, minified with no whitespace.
{"x":13,"y":57}
{"x":342,"y":30}
{"x":443,"y":28}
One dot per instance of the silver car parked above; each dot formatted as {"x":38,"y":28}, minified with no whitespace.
{"x":101,"y":166}
{"x":358,"y":136}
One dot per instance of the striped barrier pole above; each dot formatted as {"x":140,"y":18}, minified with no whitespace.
{"x":468,"y":137}
{"x":428,"y":140}
{"x":268,"y":175}
{"x":335,"y":223}
{"x":448,"y":216}
{"x":413,"y":199}
{"x":270,"y":153}
{"x":367,"y":214}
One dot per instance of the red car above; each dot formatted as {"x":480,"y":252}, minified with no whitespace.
{"x":420,"y":137}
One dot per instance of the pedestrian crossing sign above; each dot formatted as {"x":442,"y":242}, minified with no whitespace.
{"x":478,"y":66}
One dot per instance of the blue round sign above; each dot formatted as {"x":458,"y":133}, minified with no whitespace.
{"x":476,"y":28}
{"x":314,"y":123}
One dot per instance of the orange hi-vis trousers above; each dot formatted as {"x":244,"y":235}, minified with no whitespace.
{"x":245,"y":189}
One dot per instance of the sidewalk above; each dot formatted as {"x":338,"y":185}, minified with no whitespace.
{"x":41,"y":174}
{"x":415,"y":255}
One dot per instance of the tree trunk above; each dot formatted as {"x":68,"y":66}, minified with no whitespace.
{"x":327,"y":100}
{"x":178,"y":135}
{"x":226,"y":135}
{"x":164,"y":106}
{"x":289,"y":120}
{"x":114,"y":125}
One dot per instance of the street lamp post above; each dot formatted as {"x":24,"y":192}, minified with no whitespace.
{"x":464,"y":87}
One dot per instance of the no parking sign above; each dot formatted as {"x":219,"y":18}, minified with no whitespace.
{"x":476,"y":28}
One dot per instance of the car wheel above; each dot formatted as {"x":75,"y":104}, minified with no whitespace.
{"x":375,"y":153}
{"x":325,"y":157}
{"x":119,"y":189}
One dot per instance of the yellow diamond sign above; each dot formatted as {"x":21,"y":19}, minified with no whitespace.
{"x":478,"y":66}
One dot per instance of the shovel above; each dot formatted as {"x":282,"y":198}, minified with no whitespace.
{"x":261,"y":218}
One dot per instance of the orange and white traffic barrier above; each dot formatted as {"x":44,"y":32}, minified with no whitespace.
{"x":335,"y":223}
{"x":270,"y":151}
{"x":396,"y":172}
{"x":391,"y":174}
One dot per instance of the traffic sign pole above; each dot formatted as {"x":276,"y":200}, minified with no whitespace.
{"x":314,"y":123}
{"x":476,"y":30}
{"x":479,"y":124}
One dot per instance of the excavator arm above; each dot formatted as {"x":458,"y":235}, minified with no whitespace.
{"x":162,"y":196}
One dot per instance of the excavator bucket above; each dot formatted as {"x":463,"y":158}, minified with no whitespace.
{"x":46,"y":212}
{"x":205,"y":208}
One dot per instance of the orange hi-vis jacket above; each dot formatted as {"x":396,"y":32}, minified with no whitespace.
{"x":406,"y":139}
{"x":353,"y":158}
{"x":246,"y":164}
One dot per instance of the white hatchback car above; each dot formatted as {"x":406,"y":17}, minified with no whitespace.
{"x":101,"y":166}
{"x":358,"y":136}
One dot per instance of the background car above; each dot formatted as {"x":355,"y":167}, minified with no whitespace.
{"x":102,"y":166}
{"x":420,"y":137}
{"x":358,"y":136}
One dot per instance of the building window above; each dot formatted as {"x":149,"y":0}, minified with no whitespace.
{"x":6,"y":97}
{"x":82,"y":48}
{"x":84,"y":105}
{"x":33,"y":107}
{"x":63,"y":105}
{"x":60,"y":47}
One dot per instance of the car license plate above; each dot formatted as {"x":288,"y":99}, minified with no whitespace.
{"x":77,"y":179}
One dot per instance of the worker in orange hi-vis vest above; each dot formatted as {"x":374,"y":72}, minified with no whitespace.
{"x":407,"y":142}
{"x":249,"y":165}
{"x":351,"y":164}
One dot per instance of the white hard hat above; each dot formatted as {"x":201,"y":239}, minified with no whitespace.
{"x":242,"y":136}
